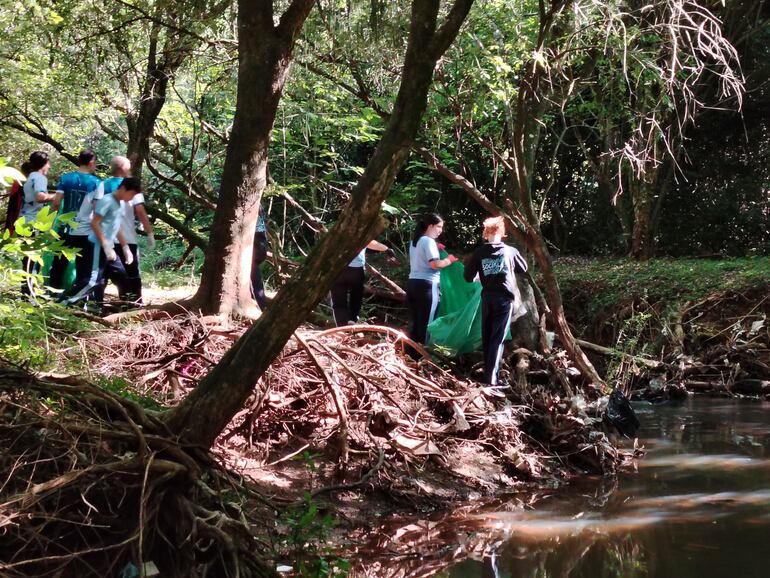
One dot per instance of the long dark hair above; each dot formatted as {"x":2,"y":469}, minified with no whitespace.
{"x":422,"y":225}
{"x":37,"y":160}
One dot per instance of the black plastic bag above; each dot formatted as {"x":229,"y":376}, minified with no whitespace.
{"x":621,"y":415}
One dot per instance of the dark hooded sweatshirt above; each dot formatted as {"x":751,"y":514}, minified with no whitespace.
{"x":496,"y":265}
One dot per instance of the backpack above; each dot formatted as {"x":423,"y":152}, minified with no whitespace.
{"x":15,"y":202}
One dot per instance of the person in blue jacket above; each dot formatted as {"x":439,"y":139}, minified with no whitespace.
{"x":496,"y":265}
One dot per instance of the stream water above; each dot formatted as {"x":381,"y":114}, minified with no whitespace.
{"x":698,"y":505}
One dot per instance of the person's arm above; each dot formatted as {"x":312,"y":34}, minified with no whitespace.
{"x":441,"y":263}
{"x":382,"y":247}
{"x":96,"y":225}
{"x":471,"y":268}
{"x":519,"y":262}
{"x":128,"y":256}
{"x":433,"y":256}
{"x":98,"y":194}
{"x":40,"y":188}
{"x":141,"y":214}
{"x":45,"y":197}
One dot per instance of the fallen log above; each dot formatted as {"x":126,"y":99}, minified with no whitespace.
{"x":651,"y":363}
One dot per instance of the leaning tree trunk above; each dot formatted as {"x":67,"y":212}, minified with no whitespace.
{"x":264,"y":57}
{"x":522,"y":145}
{"x":207,"y":410}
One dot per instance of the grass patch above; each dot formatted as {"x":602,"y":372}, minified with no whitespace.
{"x":601,"y":284}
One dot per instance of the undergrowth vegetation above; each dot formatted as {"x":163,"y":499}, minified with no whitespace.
{"x":593,"y":286}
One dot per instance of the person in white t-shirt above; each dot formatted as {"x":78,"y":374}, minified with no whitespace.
{"x":425,"y":264}
{"x":127,"y":276}
{"x":35,"y":197}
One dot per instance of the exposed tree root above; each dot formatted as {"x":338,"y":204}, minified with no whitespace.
{"x":93,"y":483}
{"x":352,"y":391}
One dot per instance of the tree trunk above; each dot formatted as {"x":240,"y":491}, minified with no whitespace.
{"x":161,"y":66}
{"x":523,"y":144}
{"x":205,"y":413}
{"x":264,"y":58}
{"x":642,"y":193}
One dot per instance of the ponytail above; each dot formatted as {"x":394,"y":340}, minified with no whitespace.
{"x":422,"y":225}
{"x":37,"y":160}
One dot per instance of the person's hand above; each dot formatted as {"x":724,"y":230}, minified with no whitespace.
{"x":440,"y":246}
{"x":452,"y":259}
{"x":150,"y":241}
{"x":128,"y":256}
{"x":109,"y":251}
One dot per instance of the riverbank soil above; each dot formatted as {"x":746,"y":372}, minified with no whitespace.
{"x":669,"y":327}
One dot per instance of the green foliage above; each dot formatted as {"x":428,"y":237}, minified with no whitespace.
{"x":126,"y":389}
{"x":31,"y":241}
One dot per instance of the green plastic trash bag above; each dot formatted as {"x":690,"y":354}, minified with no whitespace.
{"x":457,"y":327}
{"x":69,"y":274}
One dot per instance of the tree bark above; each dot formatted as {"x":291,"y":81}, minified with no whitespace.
{"x":205,"y":413}
{"x":523,"y":145}
{"x":264,"y":58}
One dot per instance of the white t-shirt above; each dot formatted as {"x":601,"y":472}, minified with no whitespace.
{"x":86,"y":212}
{"x":128,"y":225}
{"x":35,"y":183}
{"x":420,"y":258}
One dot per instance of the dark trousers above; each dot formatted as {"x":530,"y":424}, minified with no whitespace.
{"x":258,"y":257}
{"x":88,"y":282}
{"x":347,"y":295}
{"x":495,"y":318}
{"x":83,"y":262}
{"x":126,"y":278}
{"x":422,"y":297}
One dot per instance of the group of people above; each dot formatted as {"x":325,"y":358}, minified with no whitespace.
{"x":104,"y":233}
{"x":103,"y":229}
{"x":494,"y":263}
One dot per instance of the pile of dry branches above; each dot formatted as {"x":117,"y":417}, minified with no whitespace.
{"x":718,"y":345}
{"x":94,"y":485}
{"x":355,"y":395}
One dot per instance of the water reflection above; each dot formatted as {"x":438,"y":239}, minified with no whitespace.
{"x":698,"y":506}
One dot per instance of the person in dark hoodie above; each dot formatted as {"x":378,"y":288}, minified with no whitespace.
{"x":496,"y":265}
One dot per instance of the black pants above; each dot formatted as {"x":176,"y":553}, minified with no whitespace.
{"x":258,"y":257}
{"x":126,"y":278}
{"x":422,"y":297}
{"x":83,"y":262}
{"x":495,"y":318}
{"x":88,"y":284}
{"x":347,"y":295}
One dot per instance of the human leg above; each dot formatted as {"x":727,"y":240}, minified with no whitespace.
{"x":60,"y":263}
{"x":422,"y":298}
{"x":259,"y":256}
{"x":340,"y":293}
{"x":130,"y":287}
{"x":86,"y":280}
{"x":495,"y":319}
{"x":356,"y":292}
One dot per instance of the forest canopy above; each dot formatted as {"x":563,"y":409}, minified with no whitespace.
{"x":87,"y":74}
